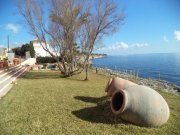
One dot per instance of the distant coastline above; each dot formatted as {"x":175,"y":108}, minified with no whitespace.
{"x":97,"y":56}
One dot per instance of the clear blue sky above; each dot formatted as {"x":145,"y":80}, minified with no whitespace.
{"x":151,"y":26}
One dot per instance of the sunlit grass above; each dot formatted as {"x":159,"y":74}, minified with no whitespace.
{"x":46,"y":103}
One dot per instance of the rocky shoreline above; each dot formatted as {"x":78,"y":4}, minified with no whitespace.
{"x":155,"y":84}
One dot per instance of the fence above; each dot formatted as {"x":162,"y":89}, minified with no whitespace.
{"x":133,"y":73}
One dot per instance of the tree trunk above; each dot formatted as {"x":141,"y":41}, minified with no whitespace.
{"x":86,"y":70}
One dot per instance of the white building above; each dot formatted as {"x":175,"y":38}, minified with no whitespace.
{"x":3,"y":52}
{"x":39,"y":51}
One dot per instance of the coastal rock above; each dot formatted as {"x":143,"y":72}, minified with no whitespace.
{"x":159,"y":85}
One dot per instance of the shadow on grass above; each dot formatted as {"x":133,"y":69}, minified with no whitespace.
{"x":101,"y":113}
{"x":70,"y":78}
{"x":75,"y":79}
{"x":48,"y":75}
{"x":42,"y":75}
{"x":91,"y":99}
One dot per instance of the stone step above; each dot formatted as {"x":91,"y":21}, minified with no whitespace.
{"x":7,"y":83}
{"x":7,"y":76}
{"x":9,"y":72}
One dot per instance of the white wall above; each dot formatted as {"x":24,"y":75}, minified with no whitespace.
{"x":29,"y":61}
{"x":39,"y":51}
{"x":3,"y":52}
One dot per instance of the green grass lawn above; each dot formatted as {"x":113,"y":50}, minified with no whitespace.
{"x":46,"y":103}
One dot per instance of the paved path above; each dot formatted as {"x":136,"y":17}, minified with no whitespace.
{"x":8,"y":76}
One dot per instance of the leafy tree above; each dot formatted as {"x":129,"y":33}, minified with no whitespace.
{"x":24,"y":49}
{"x":21,"y":51}
{"x":31,"y":49}
{"x":17,"y":51}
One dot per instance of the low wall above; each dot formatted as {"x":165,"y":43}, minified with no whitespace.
{"x":29,"y":61}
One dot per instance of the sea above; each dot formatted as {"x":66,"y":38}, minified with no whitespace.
{"x":165,"y":66}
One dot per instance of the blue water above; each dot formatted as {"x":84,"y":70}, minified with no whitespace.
{"x":146,"y":64}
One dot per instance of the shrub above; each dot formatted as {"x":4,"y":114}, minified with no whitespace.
{"x":46,"y":60}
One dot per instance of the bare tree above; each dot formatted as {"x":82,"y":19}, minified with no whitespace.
{"x":104,"y":20}
{"x":56,"y":29}
{"x":69,"y":17}
{"x":68,"y":24}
